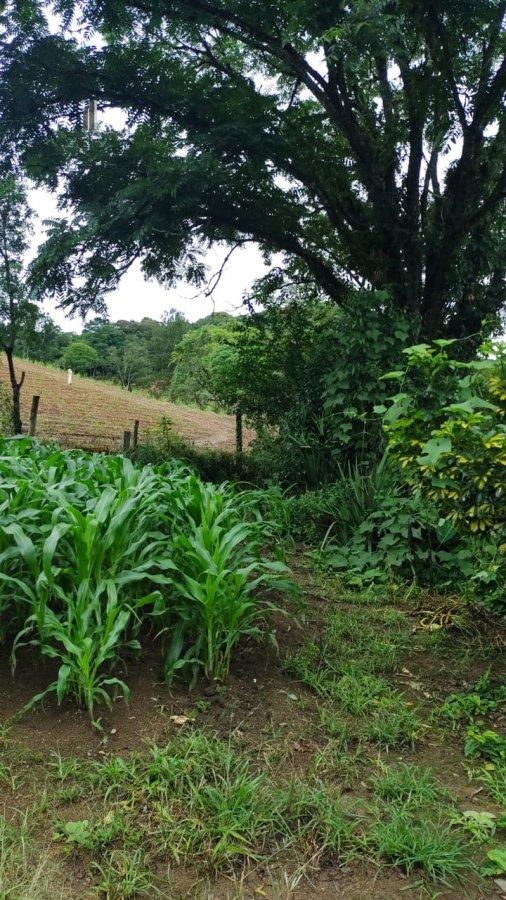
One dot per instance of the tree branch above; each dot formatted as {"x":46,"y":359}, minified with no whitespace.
{"x":441,"y":50}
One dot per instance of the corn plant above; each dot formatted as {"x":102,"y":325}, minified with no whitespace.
{"x":86,"y":583}
{"x":221,"y":584}
{"x":90,"y":547}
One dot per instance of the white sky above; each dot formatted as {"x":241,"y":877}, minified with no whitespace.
{"x":136,"y":298}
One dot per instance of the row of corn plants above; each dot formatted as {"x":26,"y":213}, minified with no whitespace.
{"x":92,"y":548}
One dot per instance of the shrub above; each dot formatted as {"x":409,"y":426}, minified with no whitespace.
{"x":447,"y":431}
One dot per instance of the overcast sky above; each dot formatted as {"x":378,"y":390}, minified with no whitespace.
{"x":136,"y":298}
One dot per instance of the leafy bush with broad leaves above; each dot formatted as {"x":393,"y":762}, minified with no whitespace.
{"x":375,"y":530}
{"x":91,"y":547}
{"x":299,"y":454}
{"x":318,"y":384}
{"x":446,"y":428}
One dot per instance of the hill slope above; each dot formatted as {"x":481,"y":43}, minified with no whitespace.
{"x":93,"y":415}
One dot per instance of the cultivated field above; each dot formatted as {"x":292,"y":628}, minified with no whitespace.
{"x":93,"y":415}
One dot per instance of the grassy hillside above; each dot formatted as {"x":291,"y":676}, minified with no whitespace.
{"x":94,"y":415}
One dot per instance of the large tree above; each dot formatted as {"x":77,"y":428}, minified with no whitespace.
{"x":364,"y":141}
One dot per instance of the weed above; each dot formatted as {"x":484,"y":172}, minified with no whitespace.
{"x":393,"y":724}
{"x":25,"y":872}
{"x":485,"y":743}
{"x":124,"y":874}
{"x":85,"y":835}
{"x":401,"y":838}
{"x":408,"y":785}
{"x":493,"y":775}
{"x":334,"y":726}
{"x":482,"y":699}
{"x":480,"y":824}
{"x":323,"y":819}
{"x":345,"y":769}
{"x":358,"y":693}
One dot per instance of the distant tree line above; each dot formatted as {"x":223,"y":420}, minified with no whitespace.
{"x":170,"y":357}
{"x":266,"y":363}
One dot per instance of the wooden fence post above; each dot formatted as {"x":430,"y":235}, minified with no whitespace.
{"x":238,"y":433}
{"x":33,"y":415}
{"x":127,"y":435}
{"x":136,"y":434}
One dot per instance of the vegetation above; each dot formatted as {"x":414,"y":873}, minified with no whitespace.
{"x":95,"y":546}
{"x":267,"y":741}
{"x":319,"y":785}
{"x":364,"y":144}
{"x":80,"y":357}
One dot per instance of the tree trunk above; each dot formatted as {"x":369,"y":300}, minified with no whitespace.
{"x":17,"y":425}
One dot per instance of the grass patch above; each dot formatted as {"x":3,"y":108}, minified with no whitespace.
{"x":418,"y":845}
{"x":408,"y":785}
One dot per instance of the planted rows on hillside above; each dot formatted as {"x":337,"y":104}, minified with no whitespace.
{"x":92,"y":548}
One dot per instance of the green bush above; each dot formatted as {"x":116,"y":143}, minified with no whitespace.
{"x":447,"y":431}
{"x":340,"y":508}
{"x":299,"y":454}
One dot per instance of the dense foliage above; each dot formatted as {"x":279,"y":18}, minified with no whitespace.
{"x":447,"y":429}
{"x":432,"y":511}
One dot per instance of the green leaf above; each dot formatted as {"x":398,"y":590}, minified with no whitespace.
{"x":433,"y":449}
{"x":496,"y":864}
{"x":62,"y":682}
{"x":398,"y":373}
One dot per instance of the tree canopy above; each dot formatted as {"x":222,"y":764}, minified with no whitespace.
{"x":365,"y":142}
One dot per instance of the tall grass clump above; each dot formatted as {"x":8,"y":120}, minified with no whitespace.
{"x":92,"y":547}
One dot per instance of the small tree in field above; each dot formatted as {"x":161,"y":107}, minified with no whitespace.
{"x":80,"y":357}
{"x":16,"y":308}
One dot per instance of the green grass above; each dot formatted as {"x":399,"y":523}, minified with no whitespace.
{"x":333,"y":780}
{"x":393,"y":724}
{"x":27,"y":872}
{"x":408,"y":785}
{"x":431,"y":847}
{"x":125,"y":874}
{"x":198,"y":801}
{"x":349,"y":668}
{"x":494,"y":777}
